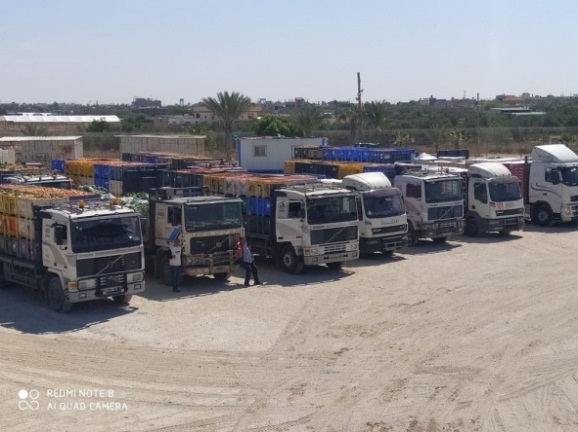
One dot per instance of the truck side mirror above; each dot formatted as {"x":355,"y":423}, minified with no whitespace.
{"x":301,"y":213}
{"x":59,"y":234}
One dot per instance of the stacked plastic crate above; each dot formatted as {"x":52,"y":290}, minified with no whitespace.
{"x":17,"y":218}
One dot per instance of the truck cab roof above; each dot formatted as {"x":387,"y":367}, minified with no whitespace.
{"x":488,"y":170}
{"x":366,"y":181}
{"x":204,"y":199}
{"x":554,"y":153}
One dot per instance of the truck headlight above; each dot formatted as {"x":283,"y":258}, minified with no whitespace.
{"x":567,"y":210}
{"x":135,"y":277}
{"x":86,"y":284}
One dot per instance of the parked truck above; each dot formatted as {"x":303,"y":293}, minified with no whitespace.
{"x":209,"y":227}
{"x":434,"y":204}
{"x":550,"y":184}
{"x":381,"y":211}
{"x":493,"y":199}
{"x":305,"y":224}
{"x":73,"y":246}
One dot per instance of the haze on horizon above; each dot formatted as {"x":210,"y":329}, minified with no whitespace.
{"x":111,"y":52}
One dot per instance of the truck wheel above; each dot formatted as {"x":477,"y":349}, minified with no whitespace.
{"x":289,"y":260}
{"x":335,"y":265}
{"x":56,"y":297}
{"x":440,"y":240}
{"x":472,"y":228}
{"x":222,"y":276}
{"x":412,"y":237}
{"x":123,"y":299}
{"x":543,"y":215}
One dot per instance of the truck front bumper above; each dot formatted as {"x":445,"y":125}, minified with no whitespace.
{"x":381,"y":244}
{"x":209,"y":270}
{"x":114,"y":291}
{"x":331,"y":258}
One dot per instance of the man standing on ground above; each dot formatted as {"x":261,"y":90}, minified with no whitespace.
{"x":249,"y":263}
{"x":175,"y":263}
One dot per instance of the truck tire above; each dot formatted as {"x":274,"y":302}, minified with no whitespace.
{"x":289,"y":261}
{"x":56,"y":297}
{"x":412,"y":238}
{"x":222,"y":276}
{"x":335,"y":265}
{"x":123,"y":299}
{"x":542,"y":215}
{"x":472,"y":228}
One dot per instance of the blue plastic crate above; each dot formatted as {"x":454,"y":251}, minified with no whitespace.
{"x":57,"y":165}
{"x":102,"y":182}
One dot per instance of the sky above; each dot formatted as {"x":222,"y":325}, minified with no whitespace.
{"x":111,"y":51}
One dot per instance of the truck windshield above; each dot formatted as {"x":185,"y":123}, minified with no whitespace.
{"x":213,"y":216}
{"x":97,"y":234}
{"x":569,"y":176}
{"x":380,"y":204}
{"x":443,"y":190}
{"x":505,"y":190}
{"x":329,"y":209}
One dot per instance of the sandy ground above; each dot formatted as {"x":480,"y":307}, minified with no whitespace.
{"x":476,"y":335}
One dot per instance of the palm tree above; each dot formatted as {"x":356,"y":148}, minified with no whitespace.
{"x":350,"y":116}
{"x":456,"y":138}
{"x":228,"y":107}
{"x":34,"y":129}
{"x":437,"y":135}
{"x":308,"y":119}
{"x":377,"y":114}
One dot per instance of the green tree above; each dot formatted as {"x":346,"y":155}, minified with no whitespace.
{"x":308,"y":119}
{"x":34,"y":129}
{"x":437,"y":135}
{"x":457,"y":138}
{"x":349,"y":116}
{"x":228,"y":107}
{"x":377,"y":114}
{"x":99,"y":126}
{"x":402,"y":139}
{"x":273,"y":125}
{"x":134,"y":123}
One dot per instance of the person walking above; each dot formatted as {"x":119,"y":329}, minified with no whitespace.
{"x":175,"y":263}
{"x":249,"y":263}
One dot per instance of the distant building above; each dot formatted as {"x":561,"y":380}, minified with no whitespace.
{"x":44,"y":149}
{"x":203,"y":114}
{"x":139,"y":102}
{"x":179,"y":144}
{"x":54,"y":124}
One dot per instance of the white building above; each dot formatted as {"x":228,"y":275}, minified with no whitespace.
{"x":268,"y":154}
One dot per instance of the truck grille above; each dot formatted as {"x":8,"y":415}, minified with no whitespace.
{"x":109,"y":264}
{"x":391,"y":229}
{"x":446,"y":212}
{"x":333,"y":235}
{"x":509,"y":212}
{"x":214,"y":244}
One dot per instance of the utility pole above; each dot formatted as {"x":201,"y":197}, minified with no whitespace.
{"x":358,"y":128}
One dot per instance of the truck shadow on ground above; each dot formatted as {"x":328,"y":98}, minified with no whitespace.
{"x":25,"y":310}
{"x":490,"y":238}
{"x":424,"y":247}
{"x":268,"y":273}
{"x":377,"y":259}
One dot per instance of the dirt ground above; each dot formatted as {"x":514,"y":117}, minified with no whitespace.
{"x":476,"y":335}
